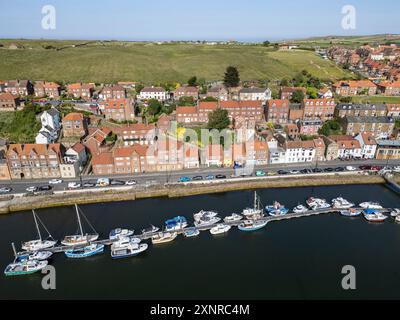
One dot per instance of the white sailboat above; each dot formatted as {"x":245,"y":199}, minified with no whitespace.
{"x":256,"y":212}
{"x":39,"y":244}
{"x":80,"y":239}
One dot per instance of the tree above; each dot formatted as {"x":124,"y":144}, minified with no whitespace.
{"x":297,"y":96}
{"x":154,"y":107}
{"x":218,"y":119}
{"x":330,"y":127}
{"x":210,"y":99}
{"x":285,"y":83}
{"x":312,"y":93}
{"x":266,"y":43}
{"x":232,"y":77}
{"x":192,"y":81}
{"x":186,"y":101}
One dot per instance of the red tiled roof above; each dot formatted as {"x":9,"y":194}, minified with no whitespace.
{"x":74,"y":116}
{"x":105,"y":158}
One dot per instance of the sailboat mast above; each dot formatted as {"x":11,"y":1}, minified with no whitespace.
{"x":37,"y":225}
{"x":79,"y":219}
{"x":13,"y":247}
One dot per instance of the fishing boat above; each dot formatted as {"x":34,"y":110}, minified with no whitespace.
{"x":233,"y":218}
{"x":351,"y":213}
{"x":341,"y":203}
{"x":251,"y":225}
{"x":31,"y":256}
{"x":81,"y":238}
{"x":127,"y":250}
{"x":176,"y":224}
{"x":300,"y":209}
{"x":25,"y":267}
{"x":395,"y":213}
{"x":276,"y":209}
{"x":371,"y":205}
{"x":85,"y":252}
{"x":256,"y":212}
{"x":119,"y":233}
{"x":40,"y":243}
{"x":152,"y":229}
{"x":163,"y":237}
{"x":220,"y":229}
{"x":125,"y":241}
{"x":191,"y":232}
{"x":374,"y":216}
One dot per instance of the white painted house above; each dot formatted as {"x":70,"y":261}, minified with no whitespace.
{"x":260,"y":94}
{"x":157,"y":93}
{"x":51,"y":126}
{"x":300,"y":151}
{"x":349,"y":149}
{"x":368,"y":145}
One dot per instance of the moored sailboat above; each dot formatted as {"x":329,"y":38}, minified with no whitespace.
{"x":251,"y":225}
{"x":40,"y":243}
{"x":256,"y":212}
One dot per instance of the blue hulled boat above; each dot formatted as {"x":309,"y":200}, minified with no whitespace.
{"x":85,"y":252}
{"x":251,"y":225}
{"x":176,"y":224}
{"x":276,"y":210}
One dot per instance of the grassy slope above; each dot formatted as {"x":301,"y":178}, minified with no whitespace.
{"x":376,"y":99}
{"x":151,"y":63}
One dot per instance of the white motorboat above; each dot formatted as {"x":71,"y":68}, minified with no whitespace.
{"x":206,"y":222}
{"x":37,"y":255}
{"x":351,"y":212}
{"x":220,"y":229}
{"x":39,"y":244}
{"x":233,"y":218}
{"x":371,"y":205}
{"x":127,"y":248}
{"x":395,"y":213}
{"x":300,"y":209}
{"x":374,"y":216}
{"x":80,"y":239}
{"x":152,"y":229}
{"x":163,"y":237}
{"x":397,"y":219}
{"x":191,"y":232}
{"x":125,"y":241}
{"x":119,"y":233}
{"x":204,"y":214}
{"x":341,"y":203}
{"x":25,"y":267}
{"x":317,"y":204}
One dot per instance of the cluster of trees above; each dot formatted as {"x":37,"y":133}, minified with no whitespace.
{"x":331,"y":127}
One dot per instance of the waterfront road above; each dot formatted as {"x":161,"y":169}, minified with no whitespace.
{"x":148,"y":179}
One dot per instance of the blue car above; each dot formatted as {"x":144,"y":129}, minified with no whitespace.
{"x":210,"y":177}
{"x":184,"y":179}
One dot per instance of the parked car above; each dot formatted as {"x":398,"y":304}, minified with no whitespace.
{"x":197,"y":178}
{"x":89,"y":185}
{"x":131,"y":183}
{"x":31,"y":189}
{"x":45,"y":188}
{"x":103,"y":182}
{"x":306,"y":171}
{"x":74,"y":185}
{"x":5,"y":190}
{"x":376,"y":168}
{"x":318,"y":170}
{"x":55,"y":181}
{"x":260,"y":173}
{"x":294,"y":172}
{"x":351,"y":168}
{"x":396,"y":169}
{"x":365,"y":168}
{"x":282,"y":172}
{"x":339,"y":169}
{"x":117,"y":183}
{"x":220,"y":176}
{"x":210,"y":177}
{"x":329,"y":170}
{"x":184,"y":179}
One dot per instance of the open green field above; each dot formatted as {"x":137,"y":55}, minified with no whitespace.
{"x":376,"y":99}
{"x":95,"y":61}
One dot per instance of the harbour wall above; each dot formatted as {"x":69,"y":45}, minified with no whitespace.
{"x":10,"y":204}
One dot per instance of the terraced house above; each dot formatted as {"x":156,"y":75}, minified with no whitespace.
{"x":353,"y":88}
{"x":118,"y":109}
{"x":112,"y":92}
{"x":18,"y":87}
{"x":8,"y":102}
{"x":49,"y":89}
{"x":81,"y":90}
{"x":277,"y":111}
{"x":261,"y":94}
{"x":318,"y":109}
{"x":74,"y":125}
{"x":379,"y":127}
{"x":360,"y":110}
{"x":34,"y":161}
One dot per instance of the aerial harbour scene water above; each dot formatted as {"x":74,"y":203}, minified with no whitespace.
{"x":281,"y":257}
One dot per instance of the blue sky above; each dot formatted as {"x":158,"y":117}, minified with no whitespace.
{"x":195,"y":20}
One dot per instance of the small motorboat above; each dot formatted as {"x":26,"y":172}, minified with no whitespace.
{"x":85,"y":252}
{"x":300,"y":209}
{"x":119,"y":233}
{"x":126,"y":241}
{"x":206,"y":221}
{"x":371,"y":205}
{"x":374,"y":216}
{"x":341,"y":203}
{"x":318,"y":204}
{"x":204,"y":214}
{"x":191,"y":232}
{"x":176,"y":224}
{"x":37,"y":255}
{"x":276,"y":210}
{"x":220,"y":229}
{"x":152,"y":229}
{"x":250,"y":225}
{"x":397,"y":219}
{"x":351,"y":213}
{"x":128,"y":250}
{"x":24,"y":267}
{"x":233,"y":218}
{"x":163,"y":237}
{"x":395,"y":213}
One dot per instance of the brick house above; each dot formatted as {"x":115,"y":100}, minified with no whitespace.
{"x":112,"y":92}
{"x":187,"y":114}
{"x":388,"y":88}
{"x":81,"y":90}
{"x":96,"y":142}
{"x":353,"y":88}
{"x":103,"y":163}
{"x":277,"y":111}
{"x":315,"y":109}
{"x":164,"y":122}
{"x":118,"y":109}
{"x":393,"y":110}
{"x":292,"y":131}
{"x":388,"y":149}
{"x":286,"y":93}
{"x":19,"y":87}
{"x":360,"y":110}
{"x":4,"y":172}
{"x":34,"y":161}
{"x":139,"y":133}
{"x":380,"y":127}
{"x":8,"y":102}
{"x":296,"y":112}
{"x":212,"y":155}
{"x":310,"y":127}
{"x":49,"y":89}
{"x":319,"y":149}
{"x":181,"y":92}
{"x":74,"y":125}
{"x":204,"y":109}
{"x":219,"y":92}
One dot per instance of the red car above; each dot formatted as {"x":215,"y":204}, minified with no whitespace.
{"x":376,"y":168}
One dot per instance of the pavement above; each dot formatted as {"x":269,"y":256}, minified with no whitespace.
{"x":161,"y":178}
